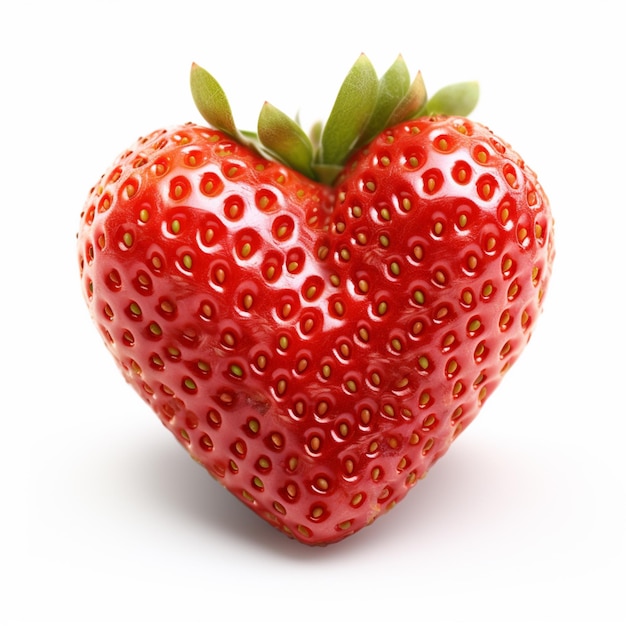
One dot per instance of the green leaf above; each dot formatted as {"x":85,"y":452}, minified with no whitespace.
{"x":411,"y":104}
{"x":392,"y":89}
{"x":211,"y":101}
{"x":285,"y":139}
{"x":352,"y":109}
{"x":315,"y":134}
{"x":457,"y":99}
{"x":365,"y":106}
{"x":327,"y":173}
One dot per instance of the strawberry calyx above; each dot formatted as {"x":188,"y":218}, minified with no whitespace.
{"x":365,"y":106}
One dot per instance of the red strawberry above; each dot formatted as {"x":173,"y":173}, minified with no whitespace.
{"x":316,"y":346}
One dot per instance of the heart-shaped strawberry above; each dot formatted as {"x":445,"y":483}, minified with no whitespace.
{"x":317,"y":334}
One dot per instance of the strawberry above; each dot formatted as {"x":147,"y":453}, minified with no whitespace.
{"x":316,"y":320}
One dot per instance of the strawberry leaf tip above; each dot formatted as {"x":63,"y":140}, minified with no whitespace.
{"x":353,"y":108}
{"x":365,"y":106}
{"x":458,"y":99}
{"x":211,"y":101}
{"x":285,"y":138}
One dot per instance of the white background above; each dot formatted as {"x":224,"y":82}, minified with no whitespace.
{"x":105,"y":519}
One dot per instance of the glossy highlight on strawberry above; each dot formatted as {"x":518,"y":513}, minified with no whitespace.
{"x":317,"y":346}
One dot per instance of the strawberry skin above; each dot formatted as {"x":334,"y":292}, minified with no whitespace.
{"x":317,"y":348}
